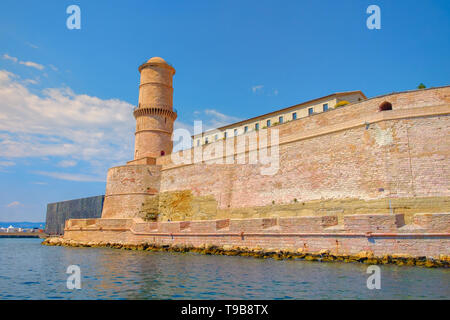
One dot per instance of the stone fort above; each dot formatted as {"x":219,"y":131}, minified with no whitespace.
{"x":347,"y":166}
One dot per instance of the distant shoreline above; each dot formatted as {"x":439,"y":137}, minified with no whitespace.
{"x":22,"y":235}
{"x":22,"y":224}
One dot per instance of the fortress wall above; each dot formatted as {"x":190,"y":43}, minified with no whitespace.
{"x":405,"y":160}
{"x":437,"y":222}
{"x":354,"y":159}
{"x":380,"y":234}
{"x":306,"y":224}
{"x":426,"y":143}
{"x":374,"y":223}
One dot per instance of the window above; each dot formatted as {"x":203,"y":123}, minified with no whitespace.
{"x":216,"y":137}
{"x":198,"y":142}
{"x":245,"y":129}
{"x":257,"y":126}
{"x":162,"y":152}
{"x":225,"y":134}
{"x":294,"y":116}
{"x":235,"y":132}
{"x":268,"y":123}
{"x":325,"y":106}
{"x":310,"y":111}
{"x":280,"y":120}
{"x":206,"y":140}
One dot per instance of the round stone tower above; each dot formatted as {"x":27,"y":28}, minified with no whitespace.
{"x":132,"y":188}
{"x":154,"y":113}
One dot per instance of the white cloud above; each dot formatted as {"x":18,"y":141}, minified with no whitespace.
{"x":32,"y":45}
{"x":67,"y":163}
{"x":257,"y":88}
{"x":57,"y":122}
{"x":14,"y":204}
{"x":7,"y":163}
{"x":213,"y":119}
{"x":210,"y":118}
{"x":32,"y":64}
{"x":8,"y":57}
{"x":73,"y":176}
{"x":25,"y":63}
{"x":31,"y":81}
{"x":88,"y":132}
{"x":53,"y":67}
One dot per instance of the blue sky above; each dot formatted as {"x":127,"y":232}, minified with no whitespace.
{"x":66,"y":95}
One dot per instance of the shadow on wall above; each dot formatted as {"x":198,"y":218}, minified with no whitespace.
{"x":59,"y":212}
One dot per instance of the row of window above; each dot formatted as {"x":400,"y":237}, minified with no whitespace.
{"x":268,"y":124}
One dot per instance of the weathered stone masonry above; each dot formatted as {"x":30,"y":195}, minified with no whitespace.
{"x":380,"y":234}
{"x":337,"y":170}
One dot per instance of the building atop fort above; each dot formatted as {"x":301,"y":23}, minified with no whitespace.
{"x":281,"y":116}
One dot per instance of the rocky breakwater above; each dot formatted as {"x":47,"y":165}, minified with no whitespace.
{"x":365,"y":257}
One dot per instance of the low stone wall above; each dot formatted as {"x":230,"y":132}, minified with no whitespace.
{"x":378,"y":235}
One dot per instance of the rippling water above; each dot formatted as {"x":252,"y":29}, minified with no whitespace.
{"x":29,"y":270}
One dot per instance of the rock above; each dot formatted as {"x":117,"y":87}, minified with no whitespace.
{"x":365,"y":254}
{"x":54,"y":240}
{"x":430,"y":264}
{"x":227,"y":247}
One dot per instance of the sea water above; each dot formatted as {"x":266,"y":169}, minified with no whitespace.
{"x":29,"y":270}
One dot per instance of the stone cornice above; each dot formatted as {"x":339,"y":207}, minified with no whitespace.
{"x":154,"y":130}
